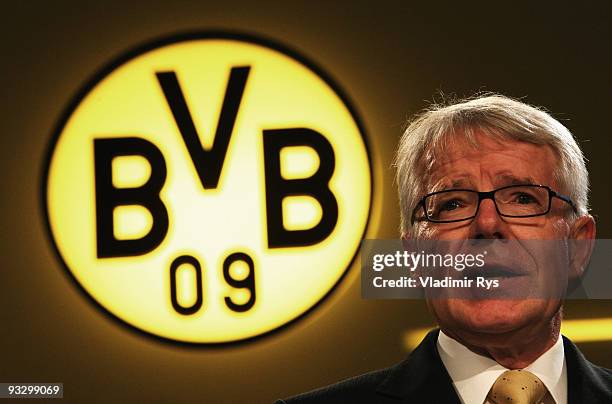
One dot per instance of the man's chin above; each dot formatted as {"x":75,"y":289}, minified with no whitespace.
{"x":495,"y":316}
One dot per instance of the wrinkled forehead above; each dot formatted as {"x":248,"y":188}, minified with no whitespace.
{"x":466,"y":161}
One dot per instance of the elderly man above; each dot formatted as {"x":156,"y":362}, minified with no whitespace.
{"x":489,"y":168}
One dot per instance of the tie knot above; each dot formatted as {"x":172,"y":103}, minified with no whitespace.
{"x":517,"y":387}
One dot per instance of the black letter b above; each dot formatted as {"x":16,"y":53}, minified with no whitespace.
{"x":315,"y":186}
{"x":108,"y":197}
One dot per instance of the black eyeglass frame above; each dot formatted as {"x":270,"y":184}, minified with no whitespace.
{"x":482,"y":195}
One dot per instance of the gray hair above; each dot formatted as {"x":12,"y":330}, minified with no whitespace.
{"x":496,"y":116}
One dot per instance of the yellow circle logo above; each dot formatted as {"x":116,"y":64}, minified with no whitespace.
{"x":209,"y":188}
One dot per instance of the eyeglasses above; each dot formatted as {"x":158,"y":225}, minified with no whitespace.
{"x":456,"y":205}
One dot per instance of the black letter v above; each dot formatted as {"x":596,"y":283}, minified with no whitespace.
{"x":208,"y":163}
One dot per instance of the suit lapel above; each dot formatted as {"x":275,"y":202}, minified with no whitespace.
{"x":422,"y":377}
{"x":584,"y":383}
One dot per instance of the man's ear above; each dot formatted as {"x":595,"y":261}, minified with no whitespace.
{"x":407,"y":241}
{"x":581,"y":243}
{"x":410,"y":244}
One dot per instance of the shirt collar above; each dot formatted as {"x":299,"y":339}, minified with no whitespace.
{"x":550,"y":368}
{"x":474,"y":374}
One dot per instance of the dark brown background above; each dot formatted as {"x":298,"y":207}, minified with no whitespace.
{"x":389,"y":58}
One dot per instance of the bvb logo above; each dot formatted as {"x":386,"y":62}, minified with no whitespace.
{"x":209,"y":188}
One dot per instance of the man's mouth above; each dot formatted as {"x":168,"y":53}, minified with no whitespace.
{"x":494,"y":271}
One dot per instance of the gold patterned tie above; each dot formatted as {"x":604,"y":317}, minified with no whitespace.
{"x":517,"y":387}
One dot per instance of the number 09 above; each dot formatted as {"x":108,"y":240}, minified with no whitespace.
{"x":247,"y":282}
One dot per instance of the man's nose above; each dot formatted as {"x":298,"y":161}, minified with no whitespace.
{"x":488,"y":224}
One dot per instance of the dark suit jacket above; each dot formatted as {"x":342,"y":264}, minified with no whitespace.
{"x":422,"y":378}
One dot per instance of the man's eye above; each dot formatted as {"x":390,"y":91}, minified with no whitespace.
{"x":525,"y":199}
{"x":450,"y":205}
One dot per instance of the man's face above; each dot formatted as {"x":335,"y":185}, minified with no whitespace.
{"x":494,"y":164}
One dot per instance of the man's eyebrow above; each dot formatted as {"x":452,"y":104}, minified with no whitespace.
{"x":509,"y":179}
{"x":459,"y":183}
{"x":463,"y":182}
{"x":444,"y":184}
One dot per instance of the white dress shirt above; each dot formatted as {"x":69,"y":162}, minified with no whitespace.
{"x":474,"y":374}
